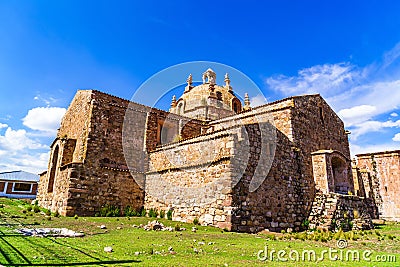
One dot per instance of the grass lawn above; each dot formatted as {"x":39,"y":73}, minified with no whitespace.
{"x":208,"y":246}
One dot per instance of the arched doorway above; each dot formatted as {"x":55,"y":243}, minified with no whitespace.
{"x":340,"y":175}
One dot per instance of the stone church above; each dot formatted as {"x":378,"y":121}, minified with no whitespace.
{"x":285,"y":164}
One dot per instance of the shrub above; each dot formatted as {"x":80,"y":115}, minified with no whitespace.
{"x":305,"y":224}
{"x":48,"y":212}
{"x":56,"y":214}
{"x":36,"y":209}
{"x":110,"y":211}
{"x":129,"y":211}
{"x":29,"y":208}
{"x":76,"y":217}
{"x":143,"y":212}
{"x":169,"y":215}
{"x":153,"y":213}
{"x":177,"y":227}
{"x":196,"y":221}
{"x":162,"y":214}
{"x":339,"y":235}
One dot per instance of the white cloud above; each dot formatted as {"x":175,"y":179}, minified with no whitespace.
{"x":391,"y":56}
{"x":45,"y":119}
{"x":396,"y":137}
{"x":394,"y":114}
{"x":258,"y":100}
{"x":2,"y":125}
{"x":327,"y":79}
{"x":385,"y":96}
{"x":30,"y":162}
{"x":15,"y":140}
{"x":357,"y":114}
{"x":372,"y":126}
{"x":19,"y":152}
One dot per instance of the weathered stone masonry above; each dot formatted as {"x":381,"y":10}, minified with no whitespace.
{"x":240,"y":168}
{"x":379,"y":180}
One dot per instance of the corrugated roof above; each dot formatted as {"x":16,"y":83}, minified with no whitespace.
{"x":19,"y":176}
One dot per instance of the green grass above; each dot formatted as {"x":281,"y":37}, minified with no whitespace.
{"x":207,"y":247}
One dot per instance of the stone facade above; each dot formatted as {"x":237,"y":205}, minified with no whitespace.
{"x":224,"y":163}
{"x":379,"y":177}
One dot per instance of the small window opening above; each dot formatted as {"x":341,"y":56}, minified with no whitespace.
{"x":321,"y":115}
{"x":219,"y":95}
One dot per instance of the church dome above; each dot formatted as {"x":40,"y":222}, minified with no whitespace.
{"x":207,"y":101}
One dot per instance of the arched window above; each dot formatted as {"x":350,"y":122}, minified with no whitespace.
{"x":180,"y":109}
{"x":53,"y":169}
{"x":219,"y":95}
{"x":236,"y":105}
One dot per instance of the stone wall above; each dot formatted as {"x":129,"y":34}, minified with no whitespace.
{"x":262,"y":164}
{"x":247,"y":172}
{"x":380,"y":172}
{"x":333,"y":211}
{"x":96,"y":160}
{"x":332,"y":172}
{"x":193,"y":179}
{"x":54,"y":183}
{"x":75,"y":123}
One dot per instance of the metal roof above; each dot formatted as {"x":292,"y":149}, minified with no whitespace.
{"x":19,"y":176}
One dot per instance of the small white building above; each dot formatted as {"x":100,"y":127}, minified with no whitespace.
{"x":18,"y":184}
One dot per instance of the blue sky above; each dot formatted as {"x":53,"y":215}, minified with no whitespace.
{"x":348,"y":51}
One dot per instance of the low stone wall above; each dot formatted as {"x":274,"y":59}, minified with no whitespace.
{"x":333,"y":211}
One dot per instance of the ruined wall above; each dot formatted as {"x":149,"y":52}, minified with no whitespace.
{"x":331,"y":172}
{"x":54,"y":183}
{"x":261,"y":165}
{"x":381,"y":173}
{"x":75,"y":123}
{"x":113,"y":159}
{"x":333,"y":211}
{"x":317,"y":127}
{"x":105,"y":178}
{"x":246,"y":172}
{"x":69,"y":146}
{"x":193,"y":179}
